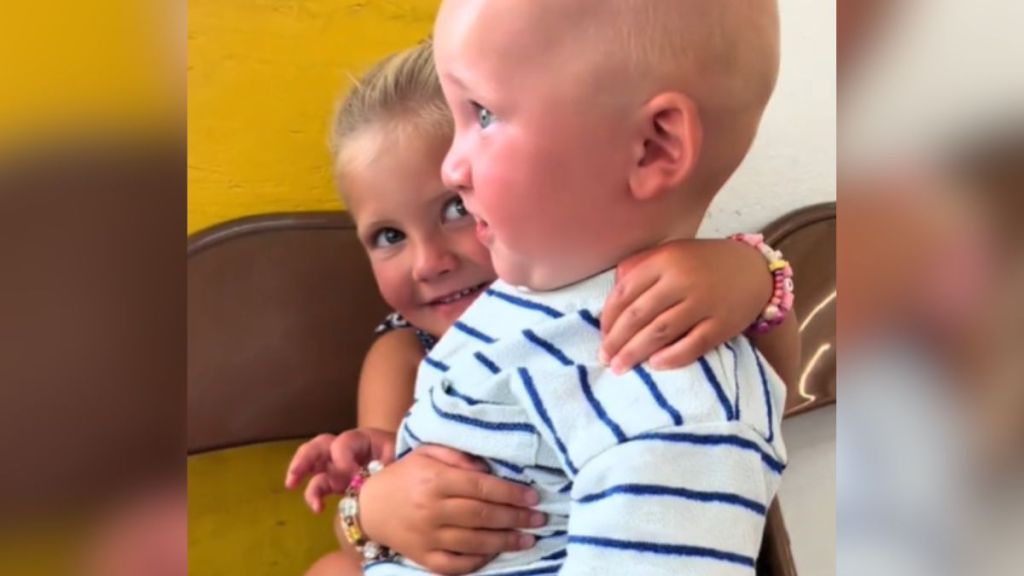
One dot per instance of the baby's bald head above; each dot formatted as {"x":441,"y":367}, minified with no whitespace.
{"x":723,"y":55}
{"x":623,"y":117}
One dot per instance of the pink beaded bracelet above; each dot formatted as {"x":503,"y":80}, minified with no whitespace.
{"x":348,"y":514}
{"x":781,"y":302}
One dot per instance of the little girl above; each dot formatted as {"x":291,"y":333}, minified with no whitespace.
{"x":388,"y":141}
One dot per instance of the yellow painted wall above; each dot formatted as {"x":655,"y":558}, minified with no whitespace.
{"x":85,"y":69}
{"x":263,"y":76}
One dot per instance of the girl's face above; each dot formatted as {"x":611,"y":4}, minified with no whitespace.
{"x":421,"y":241}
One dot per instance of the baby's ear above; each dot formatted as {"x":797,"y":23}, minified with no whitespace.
{"x":668,"y":146}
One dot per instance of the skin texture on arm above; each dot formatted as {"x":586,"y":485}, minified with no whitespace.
{"x":781,"y":347}
{"x":386,"y":385}
{"x":387,"y":380}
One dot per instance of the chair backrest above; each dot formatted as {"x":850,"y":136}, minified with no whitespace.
{"x":91,"y":319}
{"x":807,"y":237}
{"x":281,"y":311}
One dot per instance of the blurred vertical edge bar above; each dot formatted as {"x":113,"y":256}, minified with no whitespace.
{"x":92,"y":287}
{"x":930,"y":272}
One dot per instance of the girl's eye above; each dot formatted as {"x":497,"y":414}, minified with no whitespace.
{"x":484,"y":117}
{"x":454,"y":209}
{"x":387,"y":237}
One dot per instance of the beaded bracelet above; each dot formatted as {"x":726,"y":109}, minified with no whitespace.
{"x":348,"y":513}
{"x":783,"y":289}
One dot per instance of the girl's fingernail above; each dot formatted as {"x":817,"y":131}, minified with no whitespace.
{"x":537,"y":519}
{"x":602,"y":357}
{"x":532,"y":498}
{"x":526,"y":540}
{"x":617,"y":367}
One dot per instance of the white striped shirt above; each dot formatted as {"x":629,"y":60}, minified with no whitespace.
{"x":648,"y":472}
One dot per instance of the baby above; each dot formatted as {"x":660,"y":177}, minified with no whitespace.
{"x":587,"y":131}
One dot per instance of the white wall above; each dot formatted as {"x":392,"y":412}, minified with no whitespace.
{"x":793,"y":161}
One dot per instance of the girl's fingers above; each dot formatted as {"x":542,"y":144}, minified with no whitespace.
{"x":349,"y":451}
{"x":669,"y":326}
{"x":318,"y":487}
{"x":483,"y":542}
{"x":443,"y":562}
{"x":452,"y":457}
{"x":640,"y":318}
{"x":628,"y":287}
{"x":698,"y":342}
{"x":479,"y":486}
{"x":310,"y":458}
{"x":475,"y":514}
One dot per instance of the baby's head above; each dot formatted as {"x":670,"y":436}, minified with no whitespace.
{"x":388,"y":139}
{"x":586,"y":130}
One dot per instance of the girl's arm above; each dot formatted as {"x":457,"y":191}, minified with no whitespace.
{"x":388,"y":379}
{"x":674,"y":303}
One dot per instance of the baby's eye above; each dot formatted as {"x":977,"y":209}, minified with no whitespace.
{"x":454,"y":209}
{"x":484,"y":117}
{"x":387,"y":237}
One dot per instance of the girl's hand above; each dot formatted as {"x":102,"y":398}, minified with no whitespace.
{"x":442,"y":509}
{"x":674,"y":303}
{"x":331,"y":461}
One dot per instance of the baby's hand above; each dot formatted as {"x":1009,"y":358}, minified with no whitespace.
{"x":676,"y":302}
{"x":331,"y":461}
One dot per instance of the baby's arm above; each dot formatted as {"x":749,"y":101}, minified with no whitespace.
{"x":677,"y":302}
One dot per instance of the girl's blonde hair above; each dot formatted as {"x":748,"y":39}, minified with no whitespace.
{"x":401,"y":91}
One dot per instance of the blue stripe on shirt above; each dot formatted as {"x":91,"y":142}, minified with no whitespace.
{"x":548,"y":347}
{"x":555,"y":555}
{"x":524,"y":303}
{"x":663,"y":549}
{"x":412,"y":434}
{"x":590,"y":318}
{"x":507,"y":465}
{"x":549,"y":569}
{"x":620,"y":436}
{"x":473,"y":332}
{"x":542,"y":413}
{"x":709,"y":373}
{"x":436,"y":364}
{"x":715,"y":440}
{"x":484,"y":424}
{"x":487,"y":362}
{"x":451,"y":391}
{"x":659,"y":490}
{"x":677,"y":418}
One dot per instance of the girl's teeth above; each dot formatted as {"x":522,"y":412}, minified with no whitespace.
{"x":457,"y":296}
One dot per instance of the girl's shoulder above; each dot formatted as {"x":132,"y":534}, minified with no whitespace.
{"x":395,"y":321}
